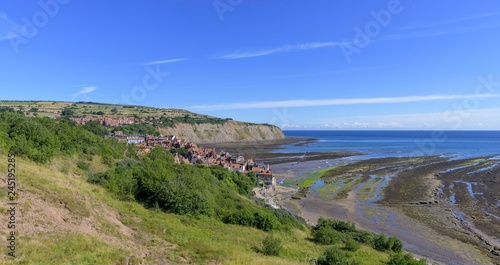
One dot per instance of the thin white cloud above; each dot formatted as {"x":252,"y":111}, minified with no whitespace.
{"x":166,"y":61}
{"x":85,"y":91}
{"x":438,"y":32}
{"x":465,"y":119}
{"x":333,"y":102}
{"x":286,"y":48}
{"x":450,"y":22}
{"x":8,"y":28}
{"x":441,"y":28}
{"x":336,"y":72}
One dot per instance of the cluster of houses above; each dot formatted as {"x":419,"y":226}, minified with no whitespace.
{"x":105,"y":121}
{"x":200,"y":155}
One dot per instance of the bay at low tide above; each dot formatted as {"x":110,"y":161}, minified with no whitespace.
{"x":397,"y":143}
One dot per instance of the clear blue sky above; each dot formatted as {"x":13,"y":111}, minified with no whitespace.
{"x":296,"y":64}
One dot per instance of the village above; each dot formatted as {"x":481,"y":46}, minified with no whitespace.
{"x":198,"y":155}
{"x":194,"y":154}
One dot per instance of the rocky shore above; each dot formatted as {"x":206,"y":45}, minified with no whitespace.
{"x":445,"y":210}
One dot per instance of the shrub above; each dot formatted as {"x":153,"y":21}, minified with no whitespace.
{"x":326,"y":236}
{"x":394,"y":244}
{"x":82,"y":165}
{"x":338,"y":225}
{"x":333,"y":256}
{"x":352,"y":245}
{"x":271,"y":246}
{"x":365,"y":237}
{"x":380,"y":243}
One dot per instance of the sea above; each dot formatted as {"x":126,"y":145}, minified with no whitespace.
{"x":372,"y":144}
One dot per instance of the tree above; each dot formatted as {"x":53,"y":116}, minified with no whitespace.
{"x":68,"y":112}
{"x":95,"y":128}
{"x":271,"y":246}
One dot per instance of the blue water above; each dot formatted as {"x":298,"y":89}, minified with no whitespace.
{"x":399,"y":143}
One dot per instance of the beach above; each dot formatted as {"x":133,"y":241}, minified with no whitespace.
{"x":443,"y":209}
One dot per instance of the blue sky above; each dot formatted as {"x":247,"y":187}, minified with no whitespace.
{"x":297,"y":64}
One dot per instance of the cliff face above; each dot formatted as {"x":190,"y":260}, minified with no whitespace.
{"x":231,"y":131}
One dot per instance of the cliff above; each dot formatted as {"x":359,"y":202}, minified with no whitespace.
{"x":231,"y":131}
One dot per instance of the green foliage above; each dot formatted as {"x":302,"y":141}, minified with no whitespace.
{"x":329,"y":231}
{"x":395,"y":244}
{"x":68,"y":112}
{"x":190,"y":190}
{"x":154,"y":180}
{"x":338,"y":225}
{"x":82,"y":165}
{"x":137,"y":129}
{"x":33,"y":140}
{"x":271,"y":246}
{"x":95,"y":128}
{"x":352,"y":245}
{"x":41,"y":139}
{"x":6,"y":109}
{"x":326,"y":235}
{"x":333,"y":256}
{"x":404,"y":259}
{"x":380,"y":243}
{"x":181,"y":151}
{"x":365,"y":237}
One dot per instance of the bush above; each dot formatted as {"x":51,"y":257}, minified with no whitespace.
{"x":338,"y":225}
{"x":352,"y":245}
{"x":271,"y":246}
{"x":380,"y":243}
{"x":365,"y":237}
{"x":82,"y":165}
{"x":395,"y":244}
{"x":333,"y":256}
{"x":326,"y":236}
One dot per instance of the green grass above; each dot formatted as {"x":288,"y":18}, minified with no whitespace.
{"x":308,"y":179}
{"x":338,"y":189}
{"x":69,"y":248}
{"x":166,"y":237}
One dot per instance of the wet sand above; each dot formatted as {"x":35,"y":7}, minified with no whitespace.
{"x":264,"y":151}
{"x":408,"y":198}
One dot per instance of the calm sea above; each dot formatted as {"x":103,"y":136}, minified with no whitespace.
{"x":399,"y":143}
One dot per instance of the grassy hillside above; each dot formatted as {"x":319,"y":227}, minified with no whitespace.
{"x":194,"y":127}
{"x":80,"y":109}
{"x":86,"y":200}
{"x":97,"y":228}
